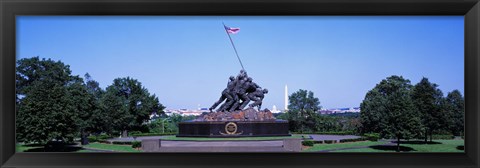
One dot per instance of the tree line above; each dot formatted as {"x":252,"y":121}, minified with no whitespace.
{"x":394,"y":109}
{"x":53,"y":104}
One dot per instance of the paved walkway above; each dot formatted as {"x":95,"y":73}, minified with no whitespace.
{"x":222,"y":146}
{"x":166,"y":143}
{"x":265,"y":149}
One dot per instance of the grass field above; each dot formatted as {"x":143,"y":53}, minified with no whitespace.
{"x":230,"y":139}
{"x":110,"y":147}
{"x":408,"y":146}
{"x":23,"y":148}
{"x":320,"y":147}
{"x":99,"y":146}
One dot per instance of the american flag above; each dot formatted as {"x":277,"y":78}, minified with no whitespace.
{"x":232,"y":30}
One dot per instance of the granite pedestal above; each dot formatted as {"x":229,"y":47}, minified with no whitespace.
{"x":233,"y":128}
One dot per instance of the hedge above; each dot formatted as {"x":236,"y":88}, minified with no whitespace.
{"x":372,"y":136}
{"x":131,"y":133}
{"x":136,"y":144}
{"x":92,"y":139}
{"x":307,"y":143}
{"x":329,"y":141}
{"x":98,"y":138}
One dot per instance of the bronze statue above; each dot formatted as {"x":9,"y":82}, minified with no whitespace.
{"x":257,"y":97}
{"x":226,"y":95}
{"x":239,"y":92}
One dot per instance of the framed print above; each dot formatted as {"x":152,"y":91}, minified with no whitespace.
{"x":239,"y":83}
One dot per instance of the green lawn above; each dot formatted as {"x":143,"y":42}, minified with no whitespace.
{"x":362,"y":150}
{"x":414,"y":146}
{"x":229,"y":139}
{"x":110,"y":147}
{"x":320,"y":147}
{"x":23,"y":147}
{"x":85,"y":150}
{"x":443,"y":146}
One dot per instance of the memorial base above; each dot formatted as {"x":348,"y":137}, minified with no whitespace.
{"x":233,"y":128}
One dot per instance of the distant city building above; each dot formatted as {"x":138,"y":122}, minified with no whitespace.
{"x":274,"y":109}
{"x":340,"y":110}
{"x":186,"y":112}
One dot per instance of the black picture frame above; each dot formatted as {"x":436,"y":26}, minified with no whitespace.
{"x":9,"y":9}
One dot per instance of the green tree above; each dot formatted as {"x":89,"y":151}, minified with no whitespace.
{"x":99,"y":119}
{"x":394,"y":114}
{"x":455,"y":110}
{"x":428,"y":101}
{"x":83,"y":105}
{"x":159,"y":125}
{"x":44,"y":111}
{"x":174,"y":119}
{"x":93,"y":87}
{"x":302,"y":110}
{"x":129,"y":105}
{"x":372,"y":109}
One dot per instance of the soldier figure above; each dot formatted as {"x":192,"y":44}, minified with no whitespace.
{"x":257,"y":97}
{"x":252,"y":86}
{"x":243,"y":74}
{"x":240,"y":88}
{"x":226,"y":94}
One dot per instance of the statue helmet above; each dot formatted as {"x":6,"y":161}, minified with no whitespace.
{"x":232,"y":78}
{"x":243,"y":72}
{"x":265,"y":91}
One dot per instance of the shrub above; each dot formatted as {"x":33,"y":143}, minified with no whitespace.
{"x":103,"y":137}
{"x":136,"y":144}
{"x":99,"y":138}
{"x":372,"y":136}
{"x":133,"y":133}
{"x":307,"y":143}
{"x":329,"y":141}
{"x":92,"y":139}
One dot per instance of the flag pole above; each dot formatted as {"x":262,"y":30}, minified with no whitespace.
{"x":233,"y":45}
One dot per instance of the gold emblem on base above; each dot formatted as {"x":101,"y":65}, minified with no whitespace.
{"x":231,"y":129}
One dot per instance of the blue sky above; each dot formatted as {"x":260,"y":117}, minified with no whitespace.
{"x":186,"y":60}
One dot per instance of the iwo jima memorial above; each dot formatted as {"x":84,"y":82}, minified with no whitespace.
{"x":233,"y":118}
